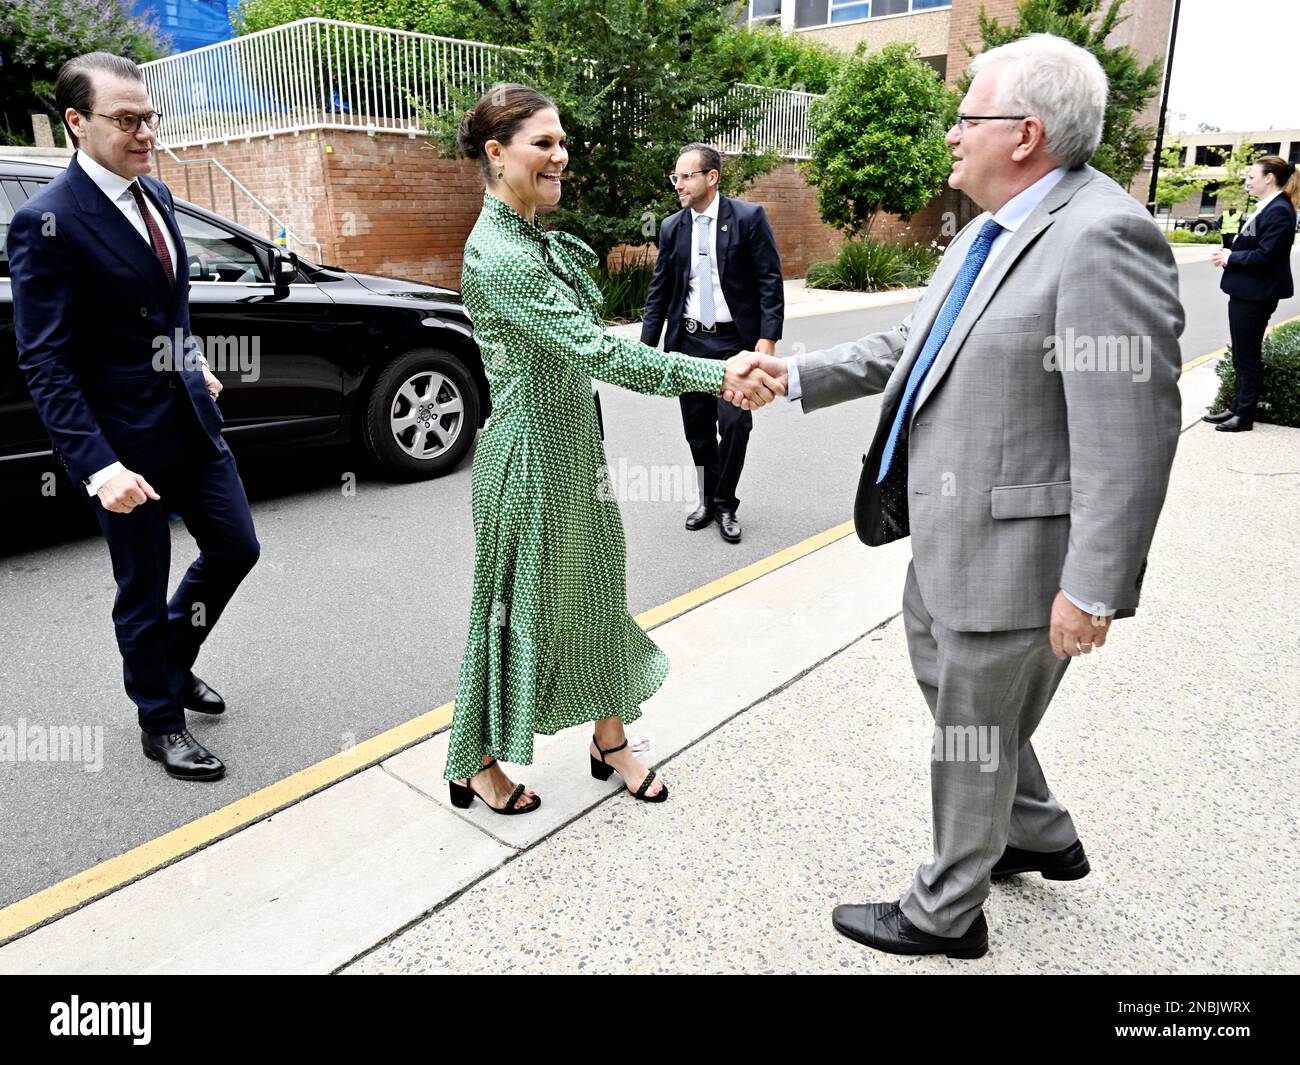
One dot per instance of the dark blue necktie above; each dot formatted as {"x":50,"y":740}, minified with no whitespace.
{"x":970,"y":268}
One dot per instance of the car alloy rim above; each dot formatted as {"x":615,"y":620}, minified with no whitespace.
{"x":427,"y":414}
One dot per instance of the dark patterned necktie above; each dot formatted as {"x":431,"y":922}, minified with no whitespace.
{"x":155,"y":233}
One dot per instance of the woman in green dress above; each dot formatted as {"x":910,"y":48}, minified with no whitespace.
{"x":550,"y":642}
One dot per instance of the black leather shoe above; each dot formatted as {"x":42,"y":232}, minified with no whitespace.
{"x":1069,"y":864}
{"x":882,"y":925}
{"x":729,"y":525}
{"x":199,"y":697}
{"x":184,"y":757}
{"x":1235,"y":424}
{"x":699,"y":517}
{"x":1218,"y":417}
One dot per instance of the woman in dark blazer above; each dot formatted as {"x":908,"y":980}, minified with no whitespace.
{"x":1256,"y":274}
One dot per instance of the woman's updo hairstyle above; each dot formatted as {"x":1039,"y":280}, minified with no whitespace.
{"x":1285,"y":174}
{"x":497,"y":117}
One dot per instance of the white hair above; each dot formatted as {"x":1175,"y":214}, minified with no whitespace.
{"x":1059,"y":82}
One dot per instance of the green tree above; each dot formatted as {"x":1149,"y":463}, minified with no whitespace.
{"x":1232,"y":188}
{"x":423,"y":16}
{"x":1125,"y":142}
{"x":879,"y":138}
{"x":39,"y":36}
{"x":763,"y":55}
{"x":648,"y":80}
{"x":1177,"y":179}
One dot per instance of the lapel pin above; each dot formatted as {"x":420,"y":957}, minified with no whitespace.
{"x":724,"y":229}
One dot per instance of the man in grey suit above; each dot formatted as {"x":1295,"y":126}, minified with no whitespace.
{"x":1028,"y":425}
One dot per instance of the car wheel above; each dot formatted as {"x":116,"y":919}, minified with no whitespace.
{"x":1200,"y":229}
{"x":421,"y":415}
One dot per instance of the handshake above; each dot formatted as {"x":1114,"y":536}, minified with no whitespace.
{"x":753,"y":379}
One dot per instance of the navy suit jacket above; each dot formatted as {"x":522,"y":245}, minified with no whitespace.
{"x":1259,"y":267}
{"x":91,"y":302}
{"x":748,"y":266}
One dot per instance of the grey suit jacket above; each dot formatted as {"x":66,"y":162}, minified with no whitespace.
{"x":1041,"y":440}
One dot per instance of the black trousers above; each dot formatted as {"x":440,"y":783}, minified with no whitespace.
{"x":717,"y":432}
{"x":1247,"y":322}
{"x":159,"y":638}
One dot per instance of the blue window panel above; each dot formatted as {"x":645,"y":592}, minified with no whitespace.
{"x":850,"y":11}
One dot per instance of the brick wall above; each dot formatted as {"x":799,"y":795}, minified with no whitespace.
{"x":389,"y":204}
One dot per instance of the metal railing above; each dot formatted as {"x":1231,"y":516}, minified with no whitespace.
{"x":319,"y":72}
{"x":239,"y":203}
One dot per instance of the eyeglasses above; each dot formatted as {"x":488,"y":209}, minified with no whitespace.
{"x":128,"y":123}
{"x":676,"y":179}
{"x":963,"y":121}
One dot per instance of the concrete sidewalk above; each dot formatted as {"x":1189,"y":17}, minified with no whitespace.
{"x":796,"y":745}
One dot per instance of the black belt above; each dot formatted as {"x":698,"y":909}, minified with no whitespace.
{"x":693,"y":326}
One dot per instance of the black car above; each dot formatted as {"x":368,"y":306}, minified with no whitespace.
{"x":306,"y":354}
{"x":1199,"y":226}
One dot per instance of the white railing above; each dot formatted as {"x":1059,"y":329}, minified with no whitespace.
{"x":321,"y":72}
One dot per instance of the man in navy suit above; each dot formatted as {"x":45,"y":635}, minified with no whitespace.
{"x":1256,"y":274}
{"x":100,"y":285}
{"x":717,"y":287}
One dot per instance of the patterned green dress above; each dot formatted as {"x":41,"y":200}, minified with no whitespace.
{"x":550,"y":643}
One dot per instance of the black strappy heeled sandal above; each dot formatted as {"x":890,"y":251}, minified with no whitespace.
{"x":463,"y":796}
{"x":602,"y":769}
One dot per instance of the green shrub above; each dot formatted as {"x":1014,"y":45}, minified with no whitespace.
{"x":1186,"y":236}
{"x":868,"y":265}
{"x":1279,"y":393}
{"x":625,"y":288}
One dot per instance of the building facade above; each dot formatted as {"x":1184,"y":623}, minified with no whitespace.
{"x":1208,"y":151}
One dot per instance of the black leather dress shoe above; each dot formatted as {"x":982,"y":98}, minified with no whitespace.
{"x":1218,"y":417}
{"x":883,"y":925}
{"x":199,"y":697}
{"x":729,"y":525}
{"x":699,"y":517}
{"x":1235,"y":424}
{"x":1068,"y":864}
{"x":184,"y":757}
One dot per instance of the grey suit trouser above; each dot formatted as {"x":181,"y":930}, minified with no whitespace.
{"x":987,"y":692}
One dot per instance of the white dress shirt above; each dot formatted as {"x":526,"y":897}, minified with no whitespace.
{"x":1010,"y":216}
{"x":721,"y":312}
{"x":118,"y":191}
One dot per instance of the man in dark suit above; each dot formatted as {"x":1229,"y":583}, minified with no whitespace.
{"x":717,"y":287}
{"x":101,"y":290}
{"x":1256,"y":275}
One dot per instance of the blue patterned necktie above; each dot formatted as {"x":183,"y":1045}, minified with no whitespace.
{"x":970,"y":269}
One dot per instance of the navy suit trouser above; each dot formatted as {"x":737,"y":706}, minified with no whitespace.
{"x":1247,"y":323}
{"x":159,"y":638}
{"x":717,"y":431}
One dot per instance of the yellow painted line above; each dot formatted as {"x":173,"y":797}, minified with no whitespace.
{"x":1203,"y":359}
{"x":676,"y":607}
{"x":108,"y":876}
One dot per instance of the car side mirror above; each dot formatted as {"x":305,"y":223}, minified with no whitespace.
{"x":284,"y":268}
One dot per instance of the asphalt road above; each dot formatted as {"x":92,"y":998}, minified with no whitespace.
{"x":354,"y":619}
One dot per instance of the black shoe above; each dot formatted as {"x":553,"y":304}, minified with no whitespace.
{"x":1218,"y":417}
{"x":602,"y":770}
{"x":463,"y":796}
{"x":200,"y":698}
{"x":700,"y":517}
{"x":184,"y":757}
{"x":729,"y":525}
{"x":882,"y":925}
{"x":1068,"y":864}
{"x":1235,"y":424}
